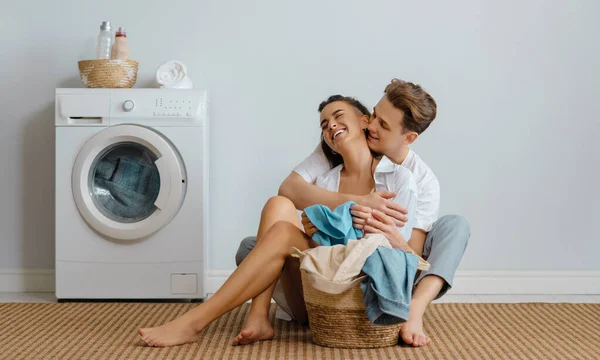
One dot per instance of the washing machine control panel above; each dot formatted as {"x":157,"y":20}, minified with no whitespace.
{"x":168,"y":106}
{"x":165,"y":106}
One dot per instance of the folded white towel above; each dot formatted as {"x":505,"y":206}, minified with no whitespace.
{"x":173,"y":75}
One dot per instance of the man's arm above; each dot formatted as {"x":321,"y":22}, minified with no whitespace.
{"x":428,"y":206}
{"x":304,"y":194}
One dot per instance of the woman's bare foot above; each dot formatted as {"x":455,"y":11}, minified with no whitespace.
{"x":176,"y":332}
{"x":256,"y":328}
{"x":412,"y":332}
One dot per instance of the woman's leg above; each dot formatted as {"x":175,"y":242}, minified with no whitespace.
{"x":257,"y":326}
{"x":254,"y":275}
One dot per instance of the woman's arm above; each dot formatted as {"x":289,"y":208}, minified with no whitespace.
{"x":380,"y":223}
{"x":417,"y":240}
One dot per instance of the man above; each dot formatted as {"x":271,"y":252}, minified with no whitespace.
{"x":399,"y":118}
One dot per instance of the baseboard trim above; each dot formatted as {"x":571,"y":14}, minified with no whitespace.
{"x":27,"y":280}
{"x":527,"y":282}
{"x":496,"y":282}
{"x":465,"y":282}
{"x":215,"y":279}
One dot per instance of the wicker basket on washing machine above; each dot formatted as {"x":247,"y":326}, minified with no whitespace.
{"x":108,"y":73}
{"x":341,"y":321}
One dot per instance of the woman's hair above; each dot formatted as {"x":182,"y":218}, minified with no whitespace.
{"x":334,"y":158}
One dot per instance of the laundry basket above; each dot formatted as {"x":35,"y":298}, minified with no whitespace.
{"x":341,"y":321}
{"x":107,"y":73}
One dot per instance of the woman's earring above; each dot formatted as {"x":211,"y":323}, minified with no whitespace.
{"x":334,"y":153}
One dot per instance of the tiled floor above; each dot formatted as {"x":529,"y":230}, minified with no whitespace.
{"x":450,"y":298}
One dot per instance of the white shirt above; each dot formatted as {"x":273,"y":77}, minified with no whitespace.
{"x":388,"y":177}
{"x":428,"y":187}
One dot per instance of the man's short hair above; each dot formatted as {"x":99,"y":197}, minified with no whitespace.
{"x":418,"y":106}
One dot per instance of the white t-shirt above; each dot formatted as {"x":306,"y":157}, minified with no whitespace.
{"x":388,"y":177}
{"x":428,"y":187}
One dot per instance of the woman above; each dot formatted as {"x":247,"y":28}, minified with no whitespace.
{"x":343,"y":121}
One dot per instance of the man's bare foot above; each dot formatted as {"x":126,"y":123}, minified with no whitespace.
{"x":256,"y":328}
{"x":412,"y":332}
{"x":176,"y":332}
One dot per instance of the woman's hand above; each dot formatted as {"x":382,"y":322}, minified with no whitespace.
{"x":309,"y":228}
{"x":380,"y":223}
{"x":360,"y":214}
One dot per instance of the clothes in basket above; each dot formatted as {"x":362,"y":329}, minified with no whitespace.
{"x":333,"y":227}
{"x":385,"y":275}
{"x":387,"y":287}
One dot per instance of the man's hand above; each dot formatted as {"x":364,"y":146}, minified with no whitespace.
{"x":309,"y":228}
{"x":380,"y":223}
{"x":381,"y":201}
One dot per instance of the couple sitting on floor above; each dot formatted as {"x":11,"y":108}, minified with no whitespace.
{"x":364,"y":158}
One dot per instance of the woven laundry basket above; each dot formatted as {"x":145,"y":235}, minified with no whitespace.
{"x":107,"y":73}
{"x":340,"y":320}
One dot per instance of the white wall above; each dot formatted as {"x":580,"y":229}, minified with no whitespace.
{"x":515,"y":146}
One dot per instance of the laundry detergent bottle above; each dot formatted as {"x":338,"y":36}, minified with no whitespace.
{"x":120,"y":49}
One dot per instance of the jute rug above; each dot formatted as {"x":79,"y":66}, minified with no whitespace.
{"x":459,"y":331}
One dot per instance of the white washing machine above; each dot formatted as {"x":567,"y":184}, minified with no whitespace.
{"x":131,"y":193}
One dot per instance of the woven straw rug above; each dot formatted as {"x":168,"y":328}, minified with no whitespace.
{"x":459,"y":331}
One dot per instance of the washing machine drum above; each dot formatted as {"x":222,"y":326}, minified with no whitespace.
{"x":128,"y":182}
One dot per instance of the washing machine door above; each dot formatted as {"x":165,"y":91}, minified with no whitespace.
{"x":128,"y":182}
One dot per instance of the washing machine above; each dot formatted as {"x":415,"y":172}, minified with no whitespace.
{"x":131,"y":193}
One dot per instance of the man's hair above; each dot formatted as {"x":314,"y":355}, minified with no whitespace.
{"x":334,"y":158}
{"x":418,"y":106}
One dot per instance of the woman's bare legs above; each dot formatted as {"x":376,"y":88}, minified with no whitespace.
{"x":255,"y":274}
{"x":257,"y":327}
